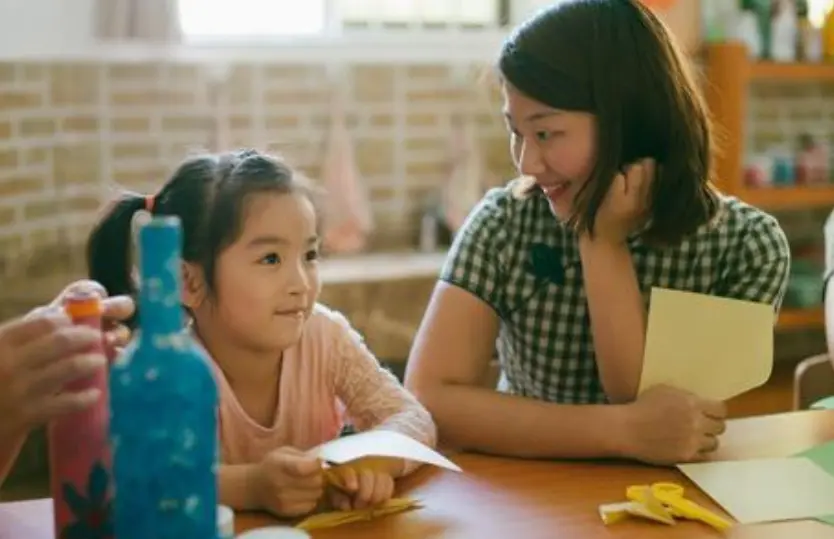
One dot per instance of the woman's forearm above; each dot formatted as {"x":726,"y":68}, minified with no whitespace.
{"x":618,"y":318}
{"x":483,"y":420}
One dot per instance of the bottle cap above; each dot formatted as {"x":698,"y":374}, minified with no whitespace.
{"x":275,"y":532}
{"x":225,"y":522}
{"x":82,"y":305}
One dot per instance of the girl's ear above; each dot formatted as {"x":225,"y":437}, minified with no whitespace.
{"x":193,"y":286}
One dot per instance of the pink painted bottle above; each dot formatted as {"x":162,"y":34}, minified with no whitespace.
{"x":79,"y":448}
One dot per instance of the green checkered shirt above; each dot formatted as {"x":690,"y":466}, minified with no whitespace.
{"x":544,"y":343}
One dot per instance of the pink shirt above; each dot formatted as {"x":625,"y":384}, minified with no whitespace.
{"x":328,"y":375}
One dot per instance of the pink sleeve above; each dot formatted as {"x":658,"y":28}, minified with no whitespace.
{"x":373,"y":397}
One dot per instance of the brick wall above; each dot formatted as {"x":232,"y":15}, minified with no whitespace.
{"x":69,"y":133}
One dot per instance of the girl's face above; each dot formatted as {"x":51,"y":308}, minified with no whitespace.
{"x":555,"y":147}
{"x":267,"y":281}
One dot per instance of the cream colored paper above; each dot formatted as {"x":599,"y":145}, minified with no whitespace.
{"x":766,"y":490}
{"x":381,"y":443}
{"x":714,"y":347}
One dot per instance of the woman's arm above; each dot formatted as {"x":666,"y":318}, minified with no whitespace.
{"x":450,"y":355}
{"x":618,"y":317}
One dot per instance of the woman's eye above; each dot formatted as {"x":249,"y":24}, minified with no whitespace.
{"x":542,"y":136}
{"x":271,"y":259}
{"x":313,"y":254}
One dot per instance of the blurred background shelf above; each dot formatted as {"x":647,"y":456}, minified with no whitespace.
{"x":776,"y":71}
{"x":788,"y":197}
{"x":799,"y":319}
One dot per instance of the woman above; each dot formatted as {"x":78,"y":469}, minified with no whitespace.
{"x":612,"y":138}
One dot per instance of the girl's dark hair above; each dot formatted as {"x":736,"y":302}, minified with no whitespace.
{"x":617,"y":61}
{"x":208,"y":193}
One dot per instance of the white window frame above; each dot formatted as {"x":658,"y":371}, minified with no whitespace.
{"x":372,"y":44}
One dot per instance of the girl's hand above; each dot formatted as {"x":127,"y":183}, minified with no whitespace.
{"x":360,"y":488}
{"x":288,"y":483}
{"x":626,"y":206}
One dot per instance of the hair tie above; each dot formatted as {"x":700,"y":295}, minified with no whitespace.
{"x":149,"y":200}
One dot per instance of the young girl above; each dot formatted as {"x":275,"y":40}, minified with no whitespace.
{"x":286,"y":365}
{"x":613,"y":142}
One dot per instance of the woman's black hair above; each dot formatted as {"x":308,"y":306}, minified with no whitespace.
{"x":616,"y":60}
{"x":208,"y":193}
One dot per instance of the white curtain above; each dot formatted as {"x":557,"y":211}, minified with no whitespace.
{"x":138,"y":20}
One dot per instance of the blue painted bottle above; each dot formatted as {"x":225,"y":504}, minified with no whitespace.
{"x":163,"y":405}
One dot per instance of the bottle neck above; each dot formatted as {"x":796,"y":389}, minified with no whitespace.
{"x":160,"y":308}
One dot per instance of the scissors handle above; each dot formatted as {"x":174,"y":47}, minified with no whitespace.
{"x":693,"y":511}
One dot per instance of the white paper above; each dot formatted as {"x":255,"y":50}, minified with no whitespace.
{"x":766,"y":490}
{"x":382,"y":443}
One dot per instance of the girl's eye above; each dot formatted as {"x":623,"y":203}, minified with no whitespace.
{"x":271,"y":259}
{"x":543,"y":136}
{"x":312,"y":255}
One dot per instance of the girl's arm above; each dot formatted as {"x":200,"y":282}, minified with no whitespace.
{"x":374,"y":398}
{"x":618,"y":316}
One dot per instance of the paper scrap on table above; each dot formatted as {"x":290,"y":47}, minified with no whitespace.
{"x":766,"y":490}
{"x":823,"y":456}
{"x":382,"y":443}
{"x":339,"y":518}
{"x":715,"y":347}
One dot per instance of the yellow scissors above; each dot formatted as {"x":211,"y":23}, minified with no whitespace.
{"x":671,"y":496}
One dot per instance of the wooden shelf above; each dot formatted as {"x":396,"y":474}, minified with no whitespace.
{"x":785,"y":198}
{"x":793,"y":319}
{"x":794,"y":72}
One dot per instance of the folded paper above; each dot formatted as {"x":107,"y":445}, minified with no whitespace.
{"x":715,"y":347}
{"x":339,"y":518}
{"x":381,"y":443}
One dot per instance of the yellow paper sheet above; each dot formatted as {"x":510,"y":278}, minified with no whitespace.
{"x":340,"y":518}
{"x":766,"y":490}
{"x":381,"y":443}
{"x":714,"y":347}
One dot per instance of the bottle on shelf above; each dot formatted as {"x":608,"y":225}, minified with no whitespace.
{"x":827,"y":34}
{"x":164,"y":408}
{"x":784,"y":31}
{"x":79,"y":449}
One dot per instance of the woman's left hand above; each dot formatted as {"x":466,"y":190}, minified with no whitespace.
{"x":626,"y":206}
{"x":116,"y":310}
{"x":360,"y":488}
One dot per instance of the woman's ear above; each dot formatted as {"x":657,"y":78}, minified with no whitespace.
{"x":193,"y":286}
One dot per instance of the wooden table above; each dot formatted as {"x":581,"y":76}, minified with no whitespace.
{"x":515,"y":499}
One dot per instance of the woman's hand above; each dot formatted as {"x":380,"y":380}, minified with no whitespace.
{"x":668,"y":426}
{"x":41,"y":353}
{"x":626,"y":206}
{"x":116,"y":311}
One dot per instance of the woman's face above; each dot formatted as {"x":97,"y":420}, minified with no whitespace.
{"x":555,"y":147}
